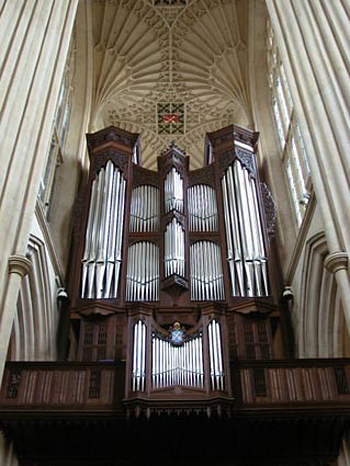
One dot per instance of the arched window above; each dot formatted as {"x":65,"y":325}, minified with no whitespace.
{"x":293,"y":152}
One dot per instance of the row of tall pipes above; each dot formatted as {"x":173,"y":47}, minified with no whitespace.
{"x":174,"y":249}
{"x":177,"y":365}
{"x":245,"y":246}
{"x":101,"y":262}
{"x":206,"y":275}
{"x":202,"y":208}
{"x":217,"y":374}
{"x":139,"y":356}
{"x":142,"y":276}
{"x":144,"y":209}
{"x":173,"y":191}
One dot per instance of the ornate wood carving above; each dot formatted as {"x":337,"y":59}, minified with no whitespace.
{"x":179,"y":217}
{"x":119,"y":159}
{"x":78,"y":212}
{"x":142,"y":176}
{"x":173,"y":157}
{"x":247,"y":159}
{"x":226,"y":159}
{"x":112,"y":134}
{"x":204,"y":175}
{"x":175,"y":280}
{"x":270,"y":209}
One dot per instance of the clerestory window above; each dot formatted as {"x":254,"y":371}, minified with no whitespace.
{"x":58,"y":138}
{"x":293,"y":152}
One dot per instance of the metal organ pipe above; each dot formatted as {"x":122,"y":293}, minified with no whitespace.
{"x":139,"y":357}
{"x":174,"y":249}
{"x":215,"y":356}
{"x":236,"y":263}
{"x":104,"y":235}
{"x":207,"y":281}
{"x":142,"y":277}
{"x":173,"y":191}
{"x":202,"y":208}
{"x":177,"y":364}
{"x":144,"y":209}
{"x":260,"y":242}
{"x":245,"y":244}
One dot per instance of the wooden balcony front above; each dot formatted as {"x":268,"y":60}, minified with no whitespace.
{"x":98,"y":388}
{"x":290,"y":410}
{"x":292,"y":385}
{"x":57,"y":388}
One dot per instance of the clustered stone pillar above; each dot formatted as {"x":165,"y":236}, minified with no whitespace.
{"x":312,"y":38}
{"x":35,"y":37}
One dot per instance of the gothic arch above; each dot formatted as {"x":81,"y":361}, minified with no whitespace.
{"x":322,"y":330}
{"x":35,"y":323}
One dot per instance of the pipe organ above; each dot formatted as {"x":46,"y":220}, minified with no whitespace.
{"x":155,"y":249}
{"x":173,"y":191}
{"x":144,"y":209}
{"x":142,"y":277}
{"x":245,"y":245}
{"x":215,"y":356}
{"x":173,"y":318}
{"x":139,"y":356}
{"x":174,"y":364}
{"x":176,"y":360}
{"x":104,"y":234}
{"x":175,"y":228}
{"x":207,"y":281}
{"x":174,"y":249}
{"x":202,"y":208}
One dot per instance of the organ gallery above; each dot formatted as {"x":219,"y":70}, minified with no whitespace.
{"x":166,"y":257}
{"x":178,"y":332}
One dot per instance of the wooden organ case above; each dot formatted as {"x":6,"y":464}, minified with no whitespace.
{"x":176,"y":351}
{"x":171,"y":268}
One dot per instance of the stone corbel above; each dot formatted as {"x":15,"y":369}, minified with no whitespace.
{"x":20,"y":265}
{"x":337,"y":261}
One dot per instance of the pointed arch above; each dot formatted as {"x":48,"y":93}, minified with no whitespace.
{"x":33,"y":335}
{"x":322,"y":330}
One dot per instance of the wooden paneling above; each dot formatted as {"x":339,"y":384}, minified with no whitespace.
{"x":282,"y":384}
{"x":295,"y":382}
{"x":57,"y":386}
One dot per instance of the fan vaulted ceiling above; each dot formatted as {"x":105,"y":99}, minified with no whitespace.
{"x":170,"y":71}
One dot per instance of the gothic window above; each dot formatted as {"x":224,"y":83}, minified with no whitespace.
{"x":55,"y":155}
{"x":293,"y":152}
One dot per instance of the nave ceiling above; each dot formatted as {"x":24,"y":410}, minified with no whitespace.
{"x":170,"y":72}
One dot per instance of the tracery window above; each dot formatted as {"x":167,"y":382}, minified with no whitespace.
{"x":293,"y":152}
{"x":58,"y":137}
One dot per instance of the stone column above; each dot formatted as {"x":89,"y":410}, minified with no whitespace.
{"x":19,"y":267}
{"x":312,"y":38}
{"x":35,"y":37}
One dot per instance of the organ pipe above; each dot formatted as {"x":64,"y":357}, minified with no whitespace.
{"x":207,"y":281}
{"x":202,"y":208}
{"x":177,"y":365}
{"x":173,"y":191}
{"x":215,"y":356}
{"x":142,"y":277}
{"x":139,"y":357}
{"x":102,"y":256}
{"x":174,"y":249}
{"x":245,"y":246}
{"x":144,"y":209}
